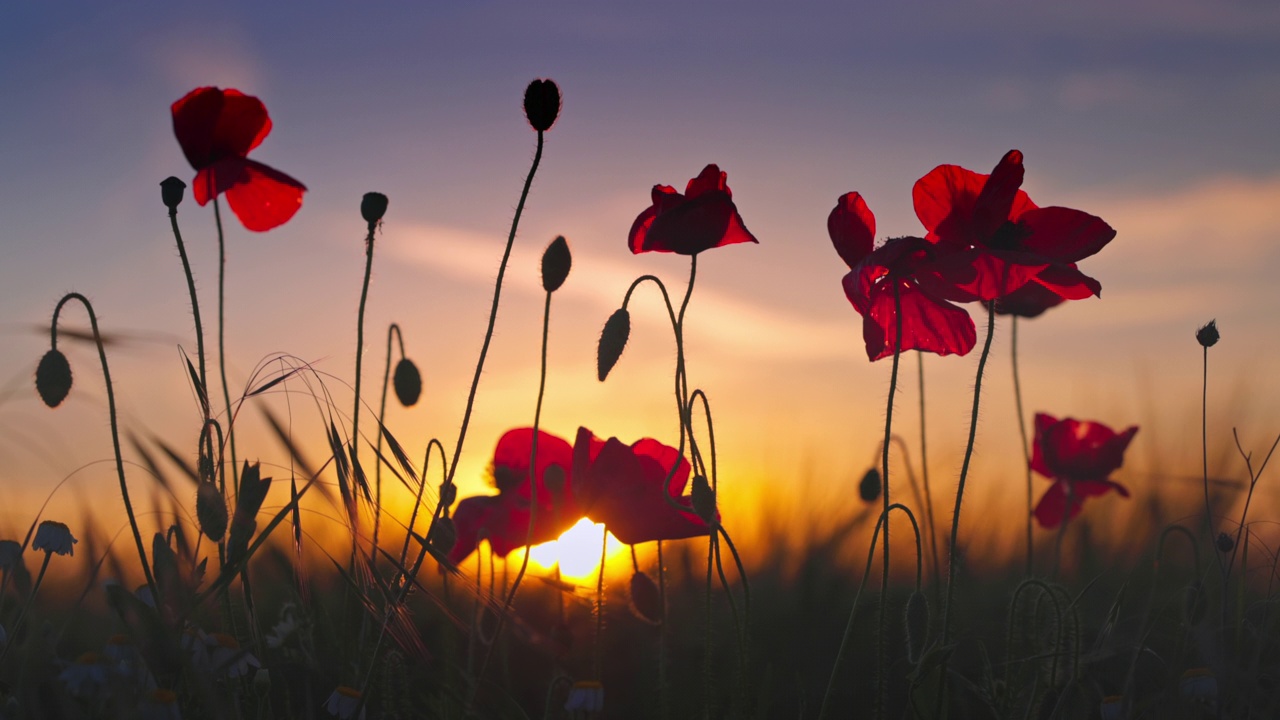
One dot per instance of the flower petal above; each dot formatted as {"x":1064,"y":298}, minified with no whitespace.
{"x":263,"y":197}
{"x":1030,"y":300}
{"x":1064,"y":234}
{"x":928,"y":323}
{"x":471,"y":518}
{"x":981,"y":273}
{"x":994,"y":203}
{"x":852,"y":228}
{"x":1084,"y":450}
{"x":213,"y":124}
{"x":711,"y":179}
{"x":1053,"y":506}
{"x":662,"y":194}
{"x":706,"y":218}
{"x":944,"y":200}
{"x":1067,"y":282}
{"x":624,"y":491}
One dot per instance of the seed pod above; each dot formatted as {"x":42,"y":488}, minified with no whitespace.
{"x":704,"y":499}
{"x":407,"y":382}
{"x":53,"y":378}
{"x":556,"y":261}
{"x":917,"y":625}
{"x":869,"y":488}
{"x":646,"y":600}
{"x":1225,"y":543}
{"x":542,"y":104}
{"x":171,"y":191}
{"x":1208,"y":336}
{"x":211,"y":511}
{"x":372,"y":207}
{"x":613,"y":339}
{"x":443,"y":536}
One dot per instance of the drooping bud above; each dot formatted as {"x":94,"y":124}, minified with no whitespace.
{"x":542,"y":104}
{"x":407,"y":382}
{"x":53,"y":378}
{"x":448,"y":493}
{"x":646,"y":600}
{"x":211,"y":511}
{"x":444,"y":535}
{"x":869,"y":488}
{"x":1225,"y":543}
{"x":917,"y":625}
{"x":704,"y":499}
{"x":171,"y":191}
{"x":372,"y":207}
{"x":613,"y":339}
{"x":556,"y":261}
{"x":1208,"y":335}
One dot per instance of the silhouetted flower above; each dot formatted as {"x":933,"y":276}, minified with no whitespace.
{"x":171,"y":192}
{"x":216,"y":129}
{"x":407,"y":381}
{"x":1001,"y":239}
{"x":372,"y":207}
{"x":87,"y":677}
{"x":503,"y":519}
{"x":1208,"y":335}
{"x":586,"y":700}
{"x":54,"y":537}
{"x":704,"y":217}
{"x":622,"y":487}
{"x":613,"y":340}
{"x":53,"y":378}
{"x":1079,"y":456}
{"x":556,"y":261}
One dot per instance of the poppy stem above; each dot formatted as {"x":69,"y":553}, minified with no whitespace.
{"x":882,"y":661}
{"x":533,"y":507}
{"x":953,"y":550}
{"x":413,"y":516}
{"x":664,"y":705}
{"x":222,"y":356}
{"x":484,"y":351}
{"x":195,"y":306}
{"x":355,"y":412}
{"x":599,"y":647}
{"x":115,"y":429}
{"x":924,"y":473}
{"x":394,"y":329}
{"x":1022,"y":431}
{"x":1204,"y":443}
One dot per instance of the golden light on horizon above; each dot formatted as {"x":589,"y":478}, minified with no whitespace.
{"x":577,"y":551}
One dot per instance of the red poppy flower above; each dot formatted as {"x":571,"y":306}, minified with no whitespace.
{"x":906,"y":265}
{"x":704,"y":217}
{"x":1079,"y":456}
{"x":621,"y":486}
{"x":1012,"y":241}
{"x":503,"y":519}
{"x":217,"y":129}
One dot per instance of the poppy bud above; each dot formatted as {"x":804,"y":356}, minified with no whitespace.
{"x":407,"y":382}
{"x":372,"y":207}
{"x":556,"y":261}
{"x":171,"y":190}
{"x":211,"y":511}
{"x":443,"y":536}
{"x":554,"y":479}
{"x":917,"y":625}
{"x":869,"y":488}
{"x":448,"y":493}
{"x":542,"y":104}
{"x":646,"y":601}
{"x":1225,"y":543}
{"x":1208,"y":335}
{"x":613,"y":339}
{"x":53,"y":378}
{"x":704,"y":499}
{"x":1194,"y":604}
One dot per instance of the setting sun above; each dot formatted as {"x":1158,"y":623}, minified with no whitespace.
{"x":577,"y":551}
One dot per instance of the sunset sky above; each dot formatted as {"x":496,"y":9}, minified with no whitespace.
{"x":1160,"y":116}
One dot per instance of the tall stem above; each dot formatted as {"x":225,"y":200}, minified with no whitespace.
{"x":1204,"y":444}
{"x":195,"y":304}
{"x":882,"y":665}
{"x":1022,"y":431}
{"x":355,"y":412}
{"x":115,"y":428}
{"x":222,"y":355}
{"x":964,"y":474}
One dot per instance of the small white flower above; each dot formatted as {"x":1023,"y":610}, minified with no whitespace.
{"x":87,"y":677}
{"x":283,"y":630}
{"x":1200,"y":685}
{"x":1112,"y":707}
{"x":342,"y":703}
{"x":586,"y":699}
{"x":226,"y":656}
{"x":160,"y":705}
{"x":54,"y":537}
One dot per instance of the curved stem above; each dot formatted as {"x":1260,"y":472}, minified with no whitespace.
{"x":964,"y":474}
{"x":377,"y":464}
{"x":222,"y":355}
{"x":484,"y":351}
{"x":195,"y":305}
{"x":1022,"y":433}
{"x":115,"y":429}
{"x":413,"y":516}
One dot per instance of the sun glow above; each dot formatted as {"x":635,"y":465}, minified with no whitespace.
{"x":577,"y":551}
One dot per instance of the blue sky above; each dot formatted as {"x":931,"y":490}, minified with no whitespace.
{"x":1157,"y":116}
